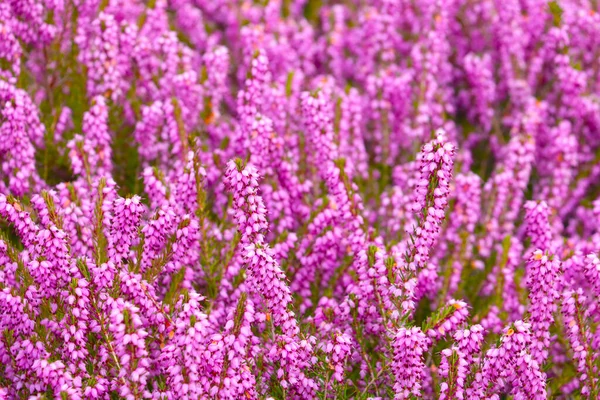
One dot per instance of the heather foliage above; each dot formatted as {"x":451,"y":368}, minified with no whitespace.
{"x":299,"y":199}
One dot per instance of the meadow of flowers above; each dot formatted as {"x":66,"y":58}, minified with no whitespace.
{"x":299,"y":199}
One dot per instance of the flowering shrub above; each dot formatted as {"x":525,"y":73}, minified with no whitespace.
{"x":299,"y":199}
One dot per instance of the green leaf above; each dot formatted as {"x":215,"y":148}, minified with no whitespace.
{"x":556,"y":11}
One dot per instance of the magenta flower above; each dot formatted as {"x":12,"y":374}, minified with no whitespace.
{"x":285,"y":199}
{"x":408,"y":364}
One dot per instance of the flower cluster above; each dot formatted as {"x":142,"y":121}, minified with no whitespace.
{"x":299,"y":199}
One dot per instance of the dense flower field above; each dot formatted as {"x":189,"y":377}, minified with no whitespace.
{"x":299,"y":199}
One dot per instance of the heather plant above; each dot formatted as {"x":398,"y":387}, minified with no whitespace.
{"x":299,"y":199}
